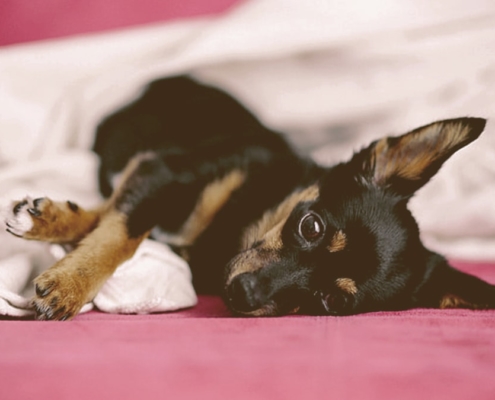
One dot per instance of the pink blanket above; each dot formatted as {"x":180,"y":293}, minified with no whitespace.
{"x":203,"y":353}
{"x":26,"y":21}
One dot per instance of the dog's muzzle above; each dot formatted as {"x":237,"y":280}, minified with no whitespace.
{"x":245,"y":296}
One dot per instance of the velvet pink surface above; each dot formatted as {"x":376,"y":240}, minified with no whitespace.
{"x":204,"y":353}
{"x":28,"y":20}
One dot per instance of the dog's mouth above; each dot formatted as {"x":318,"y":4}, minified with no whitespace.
{"x":246,"y":295}
{"x":268,"y":310}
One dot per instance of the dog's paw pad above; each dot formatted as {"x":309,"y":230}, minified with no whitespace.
{"x":48,"y":220}
{"x":56,"y":297}
{"x":22,"y":217}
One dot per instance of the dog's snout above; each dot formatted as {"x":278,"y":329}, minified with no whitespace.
{"x":244,"y":293}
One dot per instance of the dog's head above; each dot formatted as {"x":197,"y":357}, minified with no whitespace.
{"x":347,"y":243}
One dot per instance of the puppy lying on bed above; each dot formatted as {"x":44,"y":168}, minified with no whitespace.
{"x":274,"y":233}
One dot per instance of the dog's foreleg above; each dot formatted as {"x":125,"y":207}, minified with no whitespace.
{"x":63,"y":289}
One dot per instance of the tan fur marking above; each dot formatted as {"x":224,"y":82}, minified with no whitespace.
{"x":273,"y":238}
{"x":268,"y":230}
{"x":272,"y":222}
{"x":295,"y":310}
{"x":415,"y":151}
{"x":212,"y":199}
{"x":250,"y":261}
{"x":453,"y":301}
{"x":75,"y":280}
{"x":265,"y":311}
{"x":58,"y":223}
{"x":338,"y":243}
{"x":129,"y":169}
{"x":347,"y":285}
{"x":110,"y":242}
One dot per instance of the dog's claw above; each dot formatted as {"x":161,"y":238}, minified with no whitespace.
{"x":18,"y":206}
{"x":49,"y":314}
{"x":43,"y":292}
{"x":13,"y":233}
{"x":73,"y":206}
{"x":36,"y":202}
{"x":54,"y":302}
{"x":34,"y":212}
{"x":40,"y":315}
{"x":58,"y":295}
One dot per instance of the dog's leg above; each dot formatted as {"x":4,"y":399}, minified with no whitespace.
{"x":49,"y":221}
{"x":446,"y":287}
{"x":63,"y":289}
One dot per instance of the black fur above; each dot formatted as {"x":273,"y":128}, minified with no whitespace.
{"x":196,"y":134}
{"x":199,"y":134}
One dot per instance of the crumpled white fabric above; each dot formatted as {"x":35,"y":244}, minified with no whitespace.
{"x":333,"y":74}
{"x":15,"y":273}
{"x":155,"y":279}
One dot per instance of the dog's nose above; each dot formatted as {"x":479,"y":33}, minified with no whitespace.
{"x":244,"y":293}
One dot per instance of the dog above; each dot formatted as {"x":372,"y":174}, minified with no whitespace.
{"x":270,"y":230}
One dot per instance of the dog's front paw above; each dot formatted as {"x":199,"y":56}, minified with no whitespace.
{"x":44,"y":219}
{"x":59,"y":295}
{"x":24,"y":217}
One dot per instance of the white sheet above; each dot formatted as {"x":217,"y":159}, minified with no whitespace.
{"x":332,"y":74}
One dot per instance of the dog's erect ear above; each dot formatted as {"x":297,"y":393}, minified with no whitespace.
{"x":407,"y":162}
{"x":447,"y":287}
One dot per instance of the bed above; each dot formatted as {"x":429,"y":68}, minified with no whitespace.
{"x":332,"y":76}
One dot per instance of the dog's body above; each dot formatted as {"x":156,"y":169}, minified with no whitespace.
{"x":273,"y":232}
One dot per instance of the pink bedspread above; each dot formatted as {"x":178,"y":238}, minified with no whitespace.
{"x":203,"y":353}
{"x":27,"y":20}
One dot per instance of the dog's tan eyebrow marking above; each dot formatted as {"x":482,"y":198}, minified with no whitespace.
{"x":347,"y":285}
{"x":269,"y":228}
{"x":250,"y":261}
{"x":210,"y":202}
{"x":338,"y":242}
{"x":266,"y":232}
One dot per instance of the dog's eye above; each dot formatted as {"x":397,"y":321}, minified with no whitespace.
{"x":311,"y":227}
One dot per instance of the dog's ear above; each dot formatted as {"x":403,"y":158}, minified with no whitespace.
{"x":447,"y":287}
{"x":407,"y":162}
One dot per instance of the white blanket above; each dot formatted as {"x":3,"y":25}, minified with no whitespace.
{"x":332,"y":74}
